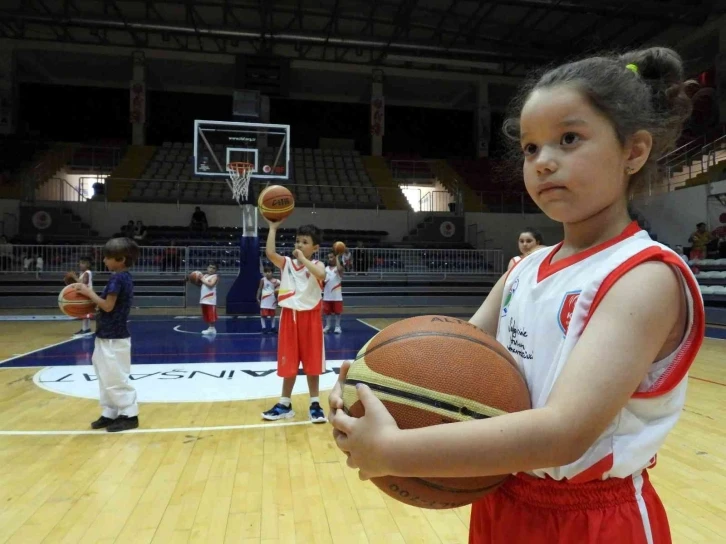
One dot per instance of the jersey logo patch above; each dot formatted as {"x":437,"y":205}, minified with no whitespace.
{"x":567,"y":307}
{"x":508,"y":297}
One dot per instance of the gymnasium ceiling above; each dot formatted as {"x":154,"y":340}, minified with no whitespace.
{"x":449,"y":43}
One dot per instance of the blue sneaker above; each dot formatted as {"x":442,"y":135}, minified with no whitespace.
{"x":279,"y":411}
{"x":316,"y":413}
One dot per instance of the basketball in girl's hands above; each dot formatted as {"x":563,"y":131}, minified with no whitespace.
{"x":430,"y":370}
{"x":74,"y":303}
{"x":195,"y":277}
{"x":276,"y":202}
{"x":338,"y":248}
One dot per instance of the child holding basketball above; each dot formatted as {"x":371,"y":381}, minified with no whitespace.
{"x":301,"y":326}
{"x":85,"y":277}
{"x":618,"y":322}
{"x":112,"y":350}
{"x":267,"y":299}
{"x":208,"y":298}
{"x":530,"y":240}
{"x":333,"y":292}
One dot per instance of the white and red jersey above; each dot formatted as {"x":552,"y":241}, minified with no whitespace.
{"x":208,"y":295}
{"x":545,"y":309}
{"x":333,"y":290}
{"x":88,"y":276}
{"x":268,"y":301}
{"x":299,"y":289}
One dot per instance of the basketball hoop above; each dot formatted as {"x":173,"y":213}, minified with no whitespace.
{"x":239,"y":175}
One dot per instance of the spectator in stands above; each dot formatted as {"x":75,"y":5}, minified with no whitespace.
{"x":360,"y":259}
{"x":170,"y":258}
{"x":199,"y":220}
{"x":679,"y":250}
{"x":346,"y":259}
{"x":530,"y":240}
{"x":6,"y":254}
{"x":129,"y":230}
{"x":140,"y":232}
{"x":699,"y":240}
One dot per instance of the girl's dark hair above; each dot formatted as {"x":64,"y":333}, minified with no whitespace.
{"x":122,"y":248}
{"x":312,"y":231}
{"x":537,"y":235}
{"x":267,"y":268}
{"x":652,"y":97}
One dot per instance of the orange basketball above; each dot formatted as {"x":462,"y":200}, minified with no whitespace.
{"x":338,"y":248}
{"x":195,"y":277}
{"x":276,"y":202}
{"x":431,"y":370}
{"x":74,"y":303}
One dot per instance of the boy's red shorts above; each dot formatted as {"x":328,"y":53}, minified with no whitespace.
{"x":209,"y":313}
{"x":528,"y":510}
{"x":267,"y":312}
{"x":300,"y":340}
{"x":332,"y":307}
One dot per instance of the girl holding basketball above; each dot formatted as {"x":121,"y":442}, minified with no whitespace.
{"x":530,"y":240}
{"x":618,"y":322}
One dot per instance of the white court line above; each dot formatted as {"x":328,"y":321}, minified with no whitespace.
{"x":147,"y":431}
{"x":368,"y":325}
{"x":178,"y":329}
{"x":41,"y":349}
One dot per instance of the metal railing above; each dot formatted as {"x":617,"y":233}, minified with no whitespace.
{"x":44,"y":260}
{"x":436,"y":201}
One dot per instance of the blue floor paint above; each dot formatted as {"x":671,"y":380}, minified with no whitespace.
{"x":155,"y":341}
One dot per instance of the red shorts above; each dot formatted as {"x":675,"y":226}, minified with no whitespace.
{"x":300,"y":340}
{"x":332,"y":307}
{"x":528,"y":510}
{"x":267,"y":312}
{"x":209,"y":313}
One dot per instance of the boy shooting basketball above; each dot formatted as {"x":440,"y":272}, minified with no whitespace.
{"x":301,"y":326}
{"x":267,"y":299}
{"x":86,"y":278}
{"x":112,"y":350}
{"x":208,"y":299}
{"x":333,"y":292}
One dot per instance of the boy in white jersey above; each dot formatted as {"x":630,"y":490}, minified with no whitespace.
{"x":267,"y":299}
{"x":86,"y":278}
{"x":300,"y":337}
{"x":208,"y":299}
{"x":333,"y":292}
{"x":603,"y":326}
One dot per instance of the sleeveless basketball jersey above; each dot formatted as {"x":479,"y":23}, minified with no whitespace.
{"x":299,"y":289}
{"x":89,"y":275}
{"x":546,"y":307}
{"x":333,"y":284}
{"x":267,"y":298}
{"x":208,"y":295}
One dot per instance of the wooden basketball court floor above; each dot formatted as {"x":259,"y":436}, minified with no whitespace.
{"x":212,"y":471}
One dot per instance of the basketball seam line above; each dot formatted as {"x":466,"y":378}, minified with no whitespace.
{"x":446,"y":334}
{"x":440,"y":487}
{"x":463,"y":410}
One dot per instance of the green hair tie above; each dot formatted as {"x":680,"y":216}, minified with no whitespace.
{"x":632,"y":67}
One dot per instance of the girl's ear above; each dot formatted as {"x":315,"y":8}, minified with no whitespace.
{"x":638,"y":150}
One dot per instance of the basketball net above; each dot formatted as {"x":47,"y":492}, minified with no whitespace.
{"x":239,"y":175}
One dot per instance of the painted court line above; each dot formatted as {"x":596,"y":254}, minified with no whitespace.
{"x":170,"y":430}
{"x":368,"y":325}
{"x":178,"y":329}
{"x":40,"y":349}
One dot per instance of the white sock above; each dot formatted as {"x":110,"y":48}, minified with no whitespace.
{"x":272,"y":322}
{"x":262,"y":321}
{"x":211,"y":327}
{"x":314,"y":399}
{"x":285,"y":401}
{"x":337,"y":320}
{"x":327,"y":321}
{"x":86,"y":325}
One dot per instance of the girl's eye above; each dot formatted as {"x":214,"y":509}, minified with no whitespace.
{"x":529,"y":149}
{"x":569,"y":138}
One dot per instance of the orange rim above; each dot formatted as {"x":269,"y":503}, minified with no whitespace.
{"x":240,"y":166}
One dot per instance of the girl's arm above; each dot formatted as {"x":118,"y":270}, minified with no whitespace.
{"x":270,"y":249}
{"x":339,"y":266}
{"x":259,"y":290}
{"x":623,"y":338}
{"x":316,"y":269}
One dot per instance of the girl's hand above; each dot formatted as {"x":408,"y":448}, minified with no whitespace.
{"x":297,"y":254}
{"x":335,"y":399}
{"x":273,"y":224}
{"x":82,"y":288}
{"x":365,"y":440}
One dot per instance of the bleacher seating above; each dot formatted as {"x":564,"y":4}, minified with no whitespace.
{"x":215,"y":236}
{"x":711,"y":276}
{"x":326,"y":177}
